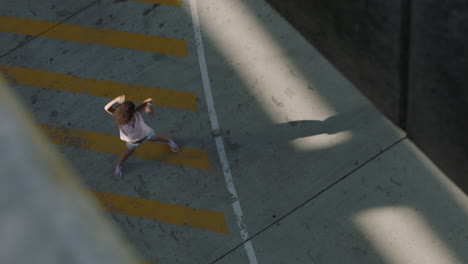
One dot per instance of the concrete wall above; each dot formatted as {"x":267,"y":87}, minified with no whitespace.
{"x":408,"y":57}
{"x":438,"y":94}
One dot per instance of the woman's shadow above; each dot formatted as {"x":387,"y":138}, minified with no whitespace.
{"x":286,"y":132}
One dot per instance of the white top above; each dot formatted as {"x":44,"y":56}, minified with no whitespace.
{"x":134,"y":130}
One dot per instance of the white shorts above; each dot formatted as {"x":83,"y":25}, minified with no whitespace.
{"x":133,"y":146}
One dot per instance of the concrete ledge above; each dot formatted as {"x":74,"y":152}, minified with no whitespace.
{"x":46,"y":215}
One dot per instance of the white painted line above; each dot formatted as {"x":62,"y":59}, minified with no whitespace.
{"x":218,"y":139}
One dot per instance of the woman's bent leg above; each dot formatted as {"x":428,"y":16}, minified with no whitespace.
{"x":125,"y":155}
{"x":161,"y":138}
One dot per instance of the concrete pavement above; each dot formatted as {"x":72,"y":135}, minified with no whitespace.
{"x":321,"y":175}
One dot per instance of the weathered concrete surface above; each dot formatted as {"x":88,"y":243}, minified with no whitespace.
{"x":50,"y":10}
{"x":292,"y":124}
{"x":362,"y":39}
{"x":157,"y":242}
{"x":298,"y":125}
{"x":438,"y":96}
{"x":398,"y":208}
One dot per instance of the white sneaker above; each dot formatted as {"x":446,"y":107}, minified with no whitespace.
{"x":173,"y":145}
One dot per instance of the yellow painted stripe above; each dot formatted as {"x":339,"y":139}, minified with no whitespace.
{"x":95,"y":36}
{"x":163,"y":212}
{"x":186,"y":157}
{"x":75,"y":84}
{"x":161,"y":2}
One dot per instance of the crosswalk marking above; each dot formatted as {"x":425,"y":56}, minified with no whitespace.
{"x":104,"y":37}
{"x":163,"y":212}
{"x":186,"y":157}
{"x":69,"y":83}
{"x":161,"y":2}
